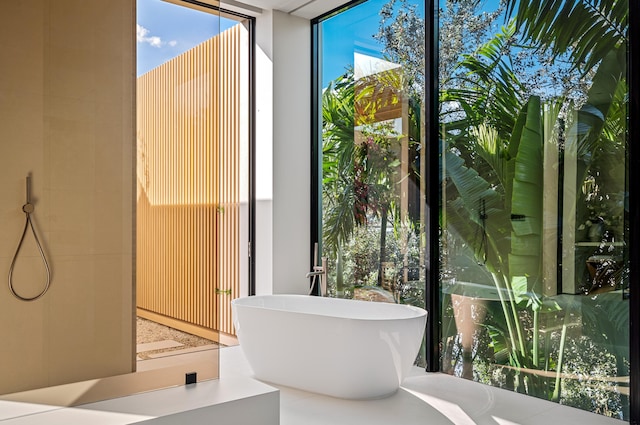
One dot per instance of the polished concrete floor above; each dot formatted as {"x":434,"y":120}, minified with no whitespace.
{"x":435,"y":399}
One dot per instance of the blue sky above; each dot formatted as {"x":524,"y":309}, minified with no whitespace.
{"x":165,"y":30}
{"x":351,"y":32}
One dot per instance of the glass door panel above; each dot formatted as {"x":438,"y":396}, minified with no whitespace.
{"x":178,"y":115}
{"x":193,"y":166}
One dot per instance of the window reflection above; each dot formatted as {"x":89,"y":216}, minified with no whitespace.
{"x":533,"y":123}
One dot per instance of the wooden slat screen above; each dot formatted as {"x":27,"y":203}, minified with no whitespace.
{"x":188,"y":221}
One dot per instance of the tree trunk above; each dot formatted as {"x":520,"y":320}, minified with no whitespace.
{"x":383,"y":243}
{"x":339,"y":270}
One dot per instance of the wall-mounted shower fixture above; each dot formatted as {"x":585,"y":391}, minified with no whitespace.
{"x":319,"y":272}
{"x":28,"y":209}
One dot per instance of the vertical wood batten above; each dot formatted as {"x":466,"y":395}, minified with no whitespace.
{"x":188,"y":191}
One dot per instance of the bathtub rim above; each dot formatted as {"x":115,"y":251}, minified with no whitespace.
{"x":416,"y":312}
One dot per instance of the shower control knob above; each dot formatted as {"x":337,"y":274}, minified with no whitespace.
{"x":28,"y":208}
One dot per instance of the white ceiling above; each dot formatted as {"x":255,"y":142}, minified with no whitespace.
{"x":307,"y":9}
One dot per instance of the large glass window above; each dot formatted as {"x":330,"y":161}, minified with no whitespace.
{"x":532,"y":134}
{"x":534,"y":253}
{"x":372,"y":78}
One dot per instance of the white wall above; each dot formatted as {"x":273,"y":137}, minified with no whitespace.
{"x":282,"y":145}
{"x":264,"y":153}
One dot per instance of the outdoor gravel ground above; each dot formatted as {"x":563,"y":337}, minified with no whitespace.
{"x":148,"y":331}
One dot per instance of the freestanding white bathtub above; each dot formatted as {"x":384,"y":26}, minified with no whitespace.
{"x":342,"y":348}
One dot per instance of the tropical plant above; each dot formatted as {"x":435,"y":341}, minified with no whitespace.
{"x":463,"y":25}
{"x":338,"y":196}
{"x":595,"y":43}
{"x":588,"y":30}
{"x":360,"y":163}
{"x":502,"y":220}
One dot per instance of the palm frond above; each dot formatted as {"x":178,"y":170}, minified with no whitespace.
{"x":586,"y":30}
{"x":489,"y":91}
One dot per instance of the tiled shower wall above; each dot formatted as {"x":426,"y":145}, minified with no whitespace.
{"x":67,"y":93}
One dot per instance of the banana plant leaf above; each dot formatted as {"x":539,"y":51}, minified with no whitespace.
{"x":526,"y":195}
{"x":608,"y":81}
{"x":509,"y":217}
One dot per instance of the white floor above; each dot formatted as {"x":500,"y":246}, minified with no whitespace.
{"x":434,"y":399}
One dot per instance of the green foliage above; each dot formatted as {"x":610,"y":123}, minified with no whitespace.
{"x":493,"y":165}
{"x":587,"y":30}
{"x":590,"y":368}
{"x":361,"y":259}
{"x":338,"y":195}
{"x":361,"y":166}
{"x":402,"y":33}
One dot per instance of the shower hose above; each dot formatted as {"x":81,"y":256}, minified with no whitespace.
{"x":28,"y":208}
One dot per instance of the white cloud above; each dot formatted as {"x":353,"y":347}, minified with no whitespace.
{"x":142,"y":35}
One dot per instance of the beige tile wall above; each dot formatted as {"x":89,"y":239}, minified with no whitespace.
{"x":67,"y":81}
